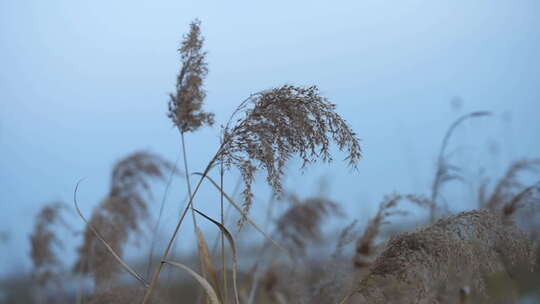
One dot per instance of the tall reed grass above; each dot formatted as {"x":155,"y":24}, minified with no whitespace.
{"x":451,"y":259}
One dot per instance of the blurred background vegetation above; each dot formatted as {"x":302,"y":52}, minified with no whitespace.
{"x":84,"y":90}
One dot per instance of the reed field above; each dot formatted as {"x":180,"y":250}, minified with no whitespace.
{"x":486,"y":254}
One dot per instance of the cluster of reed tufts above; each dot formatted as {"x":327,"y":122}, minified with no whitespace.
{"x":449,"y":260}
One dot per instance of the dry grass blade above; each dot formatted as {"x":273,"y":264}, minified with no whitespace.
{"x":109,"y":248}
{"x":207,"y":266}
{"x":241,"y":211}
{"x":204,"y":283}
{"x":233,"y":249}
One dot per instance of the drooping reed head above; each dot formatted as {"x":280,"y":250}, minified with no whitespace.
{"x":43,"y":241}
{"x":528,"y":196}
{"x":132,"y":174}
{"x":508,"y":186}
{"x":447,"y":172}
{"x":278,"y":124}
{"x":185,"y":105}
{"x":302,"y":221}
{"x":119,"y":214}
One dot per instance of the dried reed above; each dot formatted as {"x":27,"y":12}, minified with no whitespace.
{"x":302,"y":222}
{"x":43,"y":242}
{"x":529,"y":195}
{"x":185,"y":111}
{"x":185,"y":105}
{"x":119,"y":215}
{"x":366,"y":249}
{"x":466,"y":247}
{"x":445,"y":171}
{"x":509,"y":186}
{"x":282,"y":122}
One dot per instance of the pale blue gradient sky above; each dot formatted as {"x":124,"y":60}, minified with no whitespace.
{"x":83,"y":83}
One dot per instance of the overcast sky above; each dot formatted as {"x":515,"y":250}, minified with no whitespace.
{"x":84,"y":83}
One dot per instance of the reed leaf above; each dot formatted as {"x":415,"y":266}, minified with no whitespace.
{"x":241,"y":211}
{"x":204,"y":283}
{"x":208,"y":269}
{"x":233,"y":249}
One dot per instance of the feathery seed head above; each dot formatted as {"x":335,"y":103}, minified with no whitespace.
{"x":119,"y":214}
{"x":43,"y":240}
{"x":278,"y":124}
{"x":302,"y":221}
{"x":185,"y":105}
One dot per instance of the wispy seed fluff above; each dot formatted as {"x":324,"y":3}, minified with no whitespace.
{"x":185,"y":105}
{"x":279,"y":123}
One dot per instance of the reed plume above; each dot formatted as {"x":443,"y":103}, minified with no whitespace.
{"x":447,"y":172}
{"x":366,"y":248}
{"x":185,"y":105}
{"x":119,"y":215}
{"x":302,"y":222}
{"x":365,"y":245}
{"x":44,"y":242}
{"x":528,"y":196}
{"x":185,"y":111}
{"x":462,"y":249}
{"x":509,"y":186}
{"x":278,"y":124}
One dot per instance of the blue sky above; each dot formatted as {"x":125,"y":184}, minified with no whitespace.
{"x":83,"y":83}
